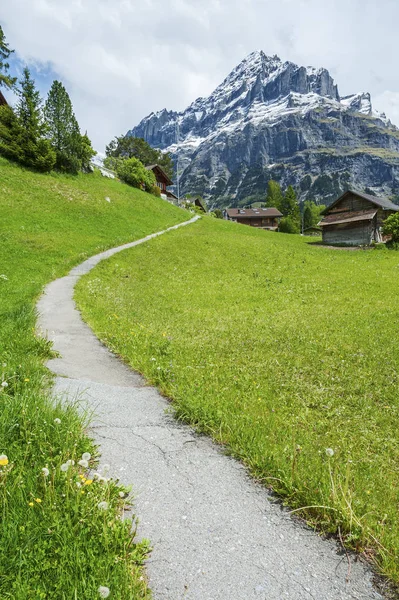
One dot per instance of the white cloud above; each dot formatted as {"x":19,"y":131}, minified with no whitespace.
{"x":122,"y":59}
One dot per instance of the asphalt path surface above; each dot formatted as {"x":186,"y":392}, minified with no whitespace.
{"x":216,"y":534}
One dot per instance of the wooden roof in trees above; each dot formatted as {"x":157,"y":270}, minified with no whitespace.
{"x":348,"y":217}
{"x":252,"y":213}
{"x":160,"y":174}
{"x":2,"y":100}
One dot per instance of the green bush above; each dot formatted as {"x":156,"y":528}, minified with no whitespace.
{"x":391,"y":227}
{"x":288,"y":225}
{"x":134,"y":173}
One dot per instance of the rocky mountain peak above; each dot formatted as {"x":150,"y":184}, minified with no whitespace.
{"x":274,"y":119}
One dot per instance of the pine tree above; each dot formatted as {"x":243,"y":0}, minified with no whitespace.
{"x":274,"y":196}
{"x":5,"y":79}
{"x":73,"y":150}
{"x":127,"y":146}
{"x":36,"y":152}
{"x":307,"y":217}
{"x":289,"y":205}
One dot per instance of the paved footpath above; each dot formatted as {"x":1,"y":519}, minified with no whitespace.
{"x":216,"y":534}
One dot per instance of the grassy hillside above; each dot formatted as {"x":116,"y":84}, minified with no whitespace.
{"x":56,"y":542}
{"x":284,"y":351}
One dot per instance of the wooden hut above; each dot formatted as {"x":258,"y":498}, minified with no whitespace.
{"x":355,"y":219}
{"x":264,"y":218}
{"x":163,"y":181}
{"x":3,"y":101}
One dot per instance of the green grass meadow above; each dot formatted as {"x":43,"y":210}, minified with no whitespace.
{"x":61,"y":533}
{"x":282,"y":350}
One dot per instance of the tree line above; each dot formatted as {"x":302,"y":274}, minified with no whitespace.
{"x":37,"y":134}
{"x":294,"y":220}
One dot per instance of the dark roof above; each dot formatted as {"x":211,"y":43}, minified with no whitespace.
{"x":381,"y":202}
{"x":171,"y":195}
{"x":159,"y":170}
{"x":253,"y":213}
{"x":348,"y":217}
{"x":2,"y":99}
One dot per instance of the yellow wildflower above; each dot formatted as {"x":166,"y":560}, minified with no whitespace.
{"x":88,"y":482}
{"x":3,"y":460}
{"x":37,"y":500}
{"x":30,"y":503}
{"x":27,"y":379}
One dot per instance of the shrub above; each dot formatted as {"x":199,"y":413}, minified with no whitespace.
{"x":391,"y":227}
{"x":134,"y":173}
{"x":288,"y":225}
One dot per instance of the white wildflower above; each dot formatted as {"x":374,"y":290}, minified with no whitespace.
{"x":121,"y":494}
{"x":57,"y":421}
{"x":86,"y":456}
{"x":103,"y":591}
{"x":45,"y":471}
{"x":70,"y":462}
{"x":329,"y":452}
{"x":64,"y":467}
{"x":4,"y":384}
{"x":83,"y":463}
{"x":96,"y":476}
{"x":103,"y":505}
{"x":78,"y":484}
{"x":2,"y":276}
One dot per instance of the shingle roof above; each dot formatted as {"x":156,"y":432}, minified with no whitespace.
{"x":2,"y":99}
{"x":381,"y":202}
{"x":252,"y":213}
{"x":348,"y":217}
{"x":157,"y":167}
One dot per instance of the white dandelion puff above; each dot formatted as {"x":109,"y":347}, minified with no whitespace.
{"x":83,"y":463}
{"x":329,"y":452}
{"x":103,"y":591}
{"x":102,"y":505}
{"x":45,"y":471}
{"x":64,"y":467}
{"x":4,"y":384}
{"x":57,"y":421}
{"x":86,"y":456}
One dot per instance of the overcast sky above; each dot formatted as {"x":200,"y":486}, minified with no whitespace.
{"x":122,"y":59}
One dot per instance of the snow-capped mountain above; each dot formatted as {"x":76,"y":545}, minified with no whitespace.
{"x":276,"y":120}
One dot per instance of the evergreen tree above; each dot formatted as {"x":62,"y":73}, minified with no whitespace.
{"x":36,"y":151}
{"x":274,"y":196}
{"x":311,"y":214}
{"x":307,"y":217}
{"x":73,"y":150}
{"x":5,"y":79}
{"x":127,"y":146}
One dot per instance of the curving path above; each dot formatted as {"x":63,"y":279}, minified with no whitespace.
{"x":216,"y":534}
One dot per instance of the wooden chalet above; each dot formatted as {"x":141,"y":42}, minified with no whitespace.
{"x":3,"y":101}
{"x":198,"y":202}
{"x":264,"y":218}
{"x":163,"y":181}
{"x":355,"y":219}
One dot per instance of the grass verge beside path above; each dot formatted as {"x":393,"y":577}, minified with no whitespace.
{"x":61,"y":536}
{"x":285,"y":352}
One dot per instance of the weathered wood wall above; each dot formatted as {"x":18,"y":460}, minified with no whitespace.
{"x":352,"y":234}
{"x":351,"y":203}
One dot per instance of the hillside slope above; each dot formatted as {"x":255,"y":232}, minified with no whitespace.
{"x":276,"y":120}
{"x":54,"y":545}
{"x":288,"y":358}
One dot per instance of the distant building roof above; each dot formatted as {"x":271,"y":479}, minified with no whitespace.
{"x":159,"y":171}
{"x":253,"y":213}
{"x":348,"y":217}
{"x":2,"y":99}
{"x":381,"y":202}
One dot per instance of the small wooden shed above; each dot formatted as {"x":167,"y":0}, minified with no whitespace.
{"x":355,"y":219}
{"x":264,"y":218}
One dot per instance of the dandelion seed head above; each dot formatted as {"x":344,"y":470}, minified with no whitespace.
{"x":121,"y":494}
{"x":329,"y":452}
{"x":70,"y":462}
{"x":102,"y":505}
{"x":64,"y":467}
{"x":103,"y":591}
{"x":45,"y":471}
{"x":83,"y":463}
{"x":86,"y":456}
{"x":4,"y":384}
{"x":57,"y":421}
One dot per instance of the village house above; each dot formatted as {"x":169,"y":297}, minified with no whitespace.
{"x":355,"y":219}
{"x":163,"y":181}
{"x":3,"y":101}
{"x":263,"y":218}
